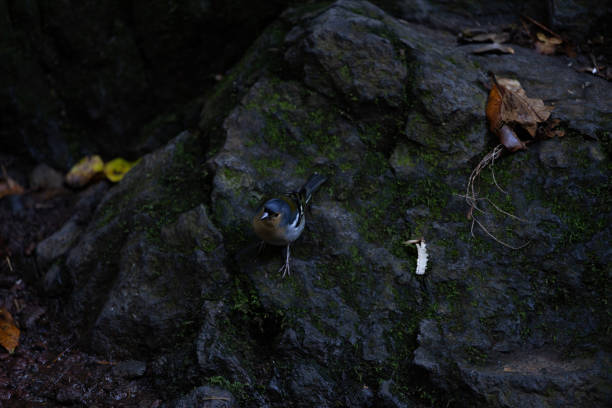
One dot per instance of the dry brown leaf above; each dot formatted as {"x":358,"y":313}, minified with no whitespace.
{"x":468,"y":33}
{"x":105,"y":362}
{"x":545,"y":48}
{"x":506,"y":135}
{"x":8,"y":186}
{"x":492,"y":37}
{"x":9,"y":333}
{"x":84,"y":171}
{"x":519,"y":110}
{"x":551,"y":129}
{"x":481,"y":37}
{"x":493,"y":47}
{"x":552,"y":40}
{"x":509,"y":108}
{"x":493,"y":109}
{"x":569,"y":50}
{"x":547,"y":45}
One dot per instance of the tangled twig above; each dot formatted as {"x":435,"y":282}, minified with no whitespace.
{"x":471,"y":196}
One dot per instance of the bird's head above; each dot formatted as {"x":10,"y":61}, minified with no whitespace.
{"x":271,"y":214}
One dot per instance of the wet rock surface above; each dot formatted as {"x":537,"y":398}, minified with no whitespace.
{"x":167,"y":271}
{"x":207,"y":397}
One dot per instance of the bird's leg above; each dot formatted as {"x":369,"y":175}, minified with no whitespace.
{"x":285,"y":268}
{"x":260,"y":247}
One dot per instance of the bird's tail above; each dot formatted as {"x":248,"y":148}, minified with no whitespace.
{"x":312,"y":185}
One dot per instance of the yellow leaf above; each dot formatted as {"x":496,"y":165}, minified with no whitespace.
{"x":9,"y":333}
{"x":86,"y":169}
{"x":116,"y":168}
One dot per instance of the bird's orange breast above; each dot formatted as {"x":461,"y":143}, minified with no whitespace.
{"x":269,"y":229}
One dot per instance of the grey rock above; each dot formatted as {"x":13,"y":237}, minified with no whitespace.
{"x":344,"y":51}
{"x":398,"y":136}
{"x":205,"y":397}
{"x":45,"y":177}
{"x":554,"y":155}
{"x":428,"y":336}
{"x":58,"y":244}
{"x":402,"y":162}
{"x":214,"y":355}
{"x":54,"y":282}
{"x":308,"y":388}
{"x":155,"y":284}
{"x":389,"y":398}
{"x":575,"y":16}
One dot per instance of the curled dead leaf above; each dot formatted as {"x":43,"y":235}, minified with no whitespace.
{"x":117,"y":168}
{"x":84,"y":171}
{"x":9,"y":333}
{"x":480,"y":36}
{"x":509,"y":108}
{"x":552,"y":129}
{"x":506,"y":135}
{"x":493,"y":47}
{"x":518,"y":109}
{"x":510,"y":140}
{"x":547,"y":45}
{"x":552,"y":40}
{"x":493,"y":109}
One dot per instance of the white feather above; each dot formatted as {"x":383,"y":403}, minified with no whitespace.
{"x":421,"y":258}
{"x":295,"y":220}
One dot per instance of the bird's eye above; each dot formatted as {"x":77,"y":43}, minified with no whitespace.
{"x":275,"y":215}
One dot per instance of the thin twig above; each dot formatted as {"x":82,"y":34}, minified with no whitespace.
{"x":60,"y":355}
{"x":105,"y":362}
{"x":498,"y":240}
{"x":594,"y":61}
{"x":8,"y":262}
{"x":472,"y":198}
{"x":490,"y":157}
{"x":502,"y":211}
{"x":495,"y":206}
{"x":493,"y":174}
{"x":542,"y":26}
{"x":527,"y":30}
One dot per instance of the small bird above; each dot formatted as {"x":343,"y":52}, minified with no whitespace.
{"x":281,"y":220}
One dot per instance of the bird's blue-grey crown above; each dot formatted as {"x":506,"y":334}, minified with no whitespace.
{"x":277,"y":206}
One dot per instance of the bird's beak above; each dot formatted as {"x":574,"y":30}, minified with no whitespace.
{"x":265,"y":215}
